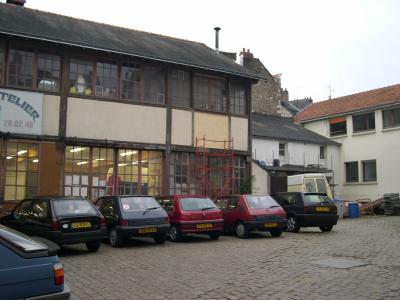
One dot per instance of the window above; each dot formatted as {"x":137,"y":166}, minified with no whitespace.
{"x":21,"y":174}
{"x":369,"y":170}
{"x":131,"y":77}
{"x":81,"y":77}
{"x":322,"y":152}
{"x":179,"y":88}
{"x":209,"y":93}
{"x":282,"y":149}
{"x":239,"y":174}
{"x":128,"y":172}
{"x":310,"y":186}
{"x":102,"y":172}
{"x":351,"y":171}
{"x":154,"y":85}
{"x":364,"y":122}
{"x":48,"y":72}
{"x":238,"y":99}
{"x":338,"y":126}
{"x":76,"y":171}
{"x":151,"y":165}
{"x":321,"y":185}
{"x":40,"y":209}
{"x":391,"y":118}
{"x":20,"y":68}
{"x":106,"y":79}
{"x":182,"y":179}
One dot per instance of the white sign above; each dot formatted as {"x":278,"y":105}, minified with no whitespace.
{"x":21,"y":112}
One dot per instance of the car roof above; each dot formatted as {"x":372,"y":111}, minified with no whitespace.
{"x":55,"y":198}
{"x":185,"y":196}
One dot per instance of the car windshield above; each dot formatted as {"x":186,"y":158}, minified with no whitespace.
{"x":20,"y":241}
{"x":67,"y":207}
{"x":316,"y":199}
{"x":130,"y":204}
{"x":197,"y":204}
{"x":264,"y":201}
{"x":321,"y":186}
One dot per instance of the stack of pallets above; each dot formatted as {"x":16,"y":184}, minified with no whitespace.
{"x":392,"y":204}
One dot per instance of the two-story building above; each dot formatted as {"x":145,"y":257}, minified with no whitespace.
{"x":367,"y":125}
{"x":89,"y":109}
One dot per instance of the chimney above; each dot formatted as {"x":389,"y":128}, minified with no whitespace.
{"x":16,"y":2}
{"x":217,"y":29}
{"x":246,"y":57}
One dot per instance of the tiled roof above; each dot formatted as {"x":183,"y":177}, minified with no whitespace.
{"x":35,"y":24}
{"x":285,"y":129}
{"x":342,"y":105}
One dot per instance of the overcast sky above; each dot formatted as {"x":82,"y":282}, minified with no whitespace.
{"x":350,"y":45}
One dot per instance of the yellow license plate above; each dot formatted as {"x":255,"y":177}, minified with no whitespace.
{"x":203,"y":226}
{"x":81,"y":225}
{"x":272,"y":224}
{"x":147,"y":230}
{"x":322,"y":209}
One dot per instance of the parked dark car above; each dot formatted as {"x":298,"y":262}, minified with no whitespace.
{"x":308,"y":210}
{"x":29,"y":268}
{"x":128,"y":216}
{"x":245,"y":213}
{"x":192,"y":214}
{"x":63,"y":220}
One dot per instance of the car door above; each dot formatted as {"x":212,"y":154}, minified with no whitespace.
{"x":289,"y":203}
{"x":233,"y":212}
{"x":19,"y":215}
{"x":39,"y":221}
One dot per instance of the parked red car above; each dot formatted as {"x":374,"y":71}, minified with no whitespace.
{"x":244,"y":213}
{"x":192,"y":214}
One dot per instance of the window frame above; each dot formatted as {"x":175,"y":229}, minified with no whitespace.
{"x":322,"y":152}
{"x":364,"y":120}
{"x":363,"y":167}
{"x":280,"y":150}
{"x":347,"y":175}
{"x":209,"y":95}
{"x":392,"y":112}
{"x":338,"y":132}
{"x":237,"y":109}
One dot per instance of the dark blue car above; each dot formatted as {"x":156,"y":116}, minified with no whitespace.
{"x":29,"y":268}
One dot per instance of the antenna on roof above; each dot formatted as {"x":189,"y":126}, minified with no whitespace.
{"x":330,"y":90}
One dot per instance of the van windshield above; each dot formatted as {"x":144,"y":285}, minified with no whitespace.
{"x":310,"y":186}
{"x":321,"y":186}
{"x":264,"y":201}
{"x":197,"y":204}
{"x":130,"y":204}
{"x":66,"y":207}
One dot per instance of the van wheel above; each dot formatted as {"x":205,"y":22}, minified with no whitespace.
{"x":174,"y":234}
{"x":160,"y":238}
{"x":326,"y":228}
{"x":241,"y":231}
{"x":276,"y":232}
{"x":115,"y":238}
{"x":214,"y":235}
{"x":293,"y":224}
{"x":93,"y":246}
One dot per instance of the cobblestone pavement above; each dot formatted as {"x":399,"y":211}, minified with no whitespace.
{"x":260,"y":267}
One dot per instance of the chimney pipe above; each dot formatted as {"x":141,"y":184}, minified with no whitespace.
{"x":217,"y":29}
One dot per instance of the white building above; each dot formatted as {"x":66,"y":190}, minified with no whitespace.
{"x":367,"y":125}
{"x":282,"y":147}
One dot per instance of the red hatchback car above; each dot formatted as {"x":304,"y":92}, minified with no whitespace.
{"x":192,"y":214}
{"x":244,"y":213}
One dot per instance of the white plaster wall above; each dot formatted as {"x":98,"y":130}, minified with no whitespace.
{"x":115,"y":121}
{"x":181,"y":127}
{"x":51,"y":114}
{"x":381,"y":144}
{"x":265,"y":150}
{"x":239,"y":133}
{"x":261,"y":182}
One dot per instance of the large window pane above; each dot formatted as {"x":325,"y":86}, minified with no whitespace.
{"x":21,"y":173}
{"x":391,"y":118}
{"x":209,"y":93}
{"x":364,"y":122}
{"x":76,"y":171}
{"x":369,"y":170}
{"x":128,"y":172}
{"x":338,"y":128}
{"x":106,"y":79}
{"x":238,"y":99}
{"x":179,"y":88}
{"x":351,"y":171}
{"x":48,"y":72}
{"x":81,"y":77}
{"x":20,"y":68}
{"x":182,"y":179}
{"x":151,"y":166}
{"x":102,"y":172}
{"x":131,"y":81}
{"x":154,"y":85}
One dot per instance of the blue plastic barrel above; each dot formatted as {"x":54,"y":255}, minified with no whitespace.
{"x":354,"y":211}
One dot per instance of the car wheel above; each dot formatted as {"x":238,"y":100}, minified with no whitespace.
{"x":293,"y":224}
{"x":160,"y":238}
{"x":93,"y":246}
{"x":241,"y":231}
{"x":174,"y":234}
{"x":214,"y":235}
{"x":326,"y":228}
{"x":276,"y":232}
{"x":115,"y":238}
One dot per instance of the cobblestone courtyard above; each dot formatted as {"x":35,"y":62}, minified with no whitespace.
{"x":260,"y":267}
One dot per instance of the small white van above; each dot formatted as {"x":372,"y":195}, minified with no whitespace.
{"x":309,"y":183}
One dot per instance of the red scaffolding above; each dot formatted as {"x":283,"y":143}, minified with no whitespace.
{"x":214,"y":167}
